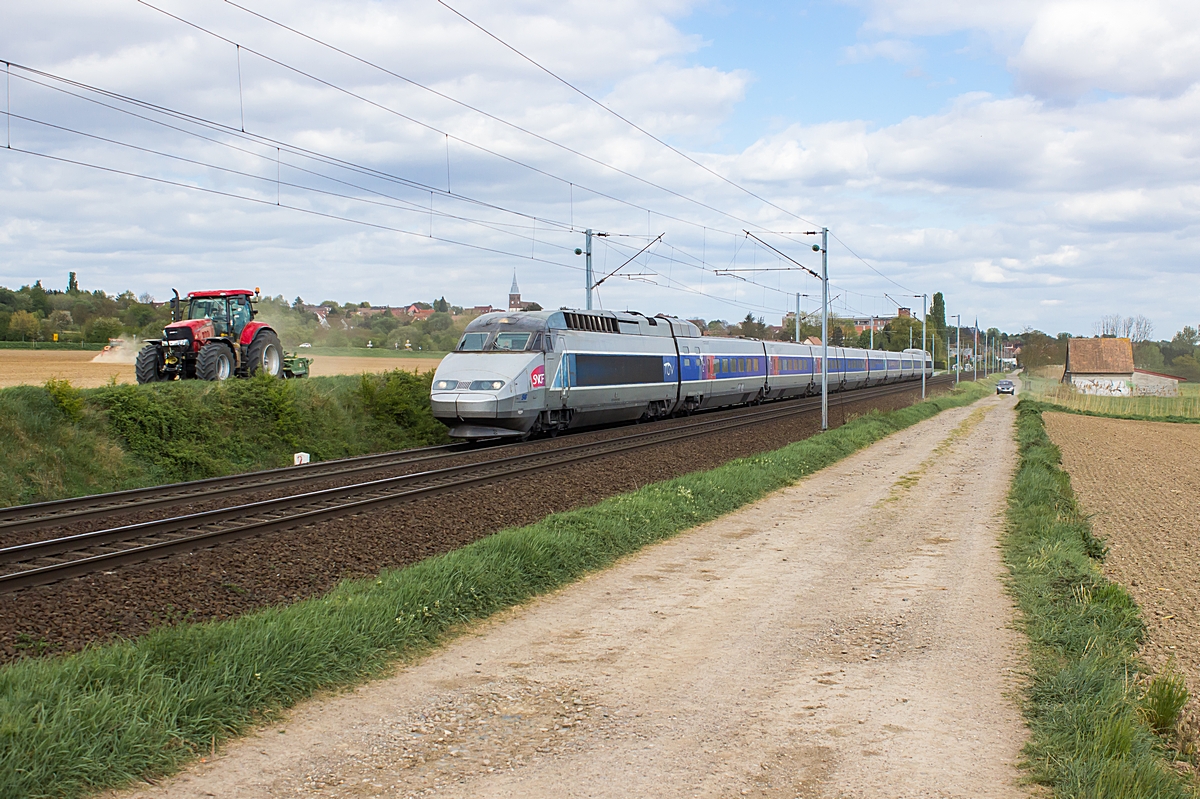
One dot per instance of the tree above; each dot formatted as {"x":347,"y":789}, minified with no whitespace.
{"x":25,"y":324}
{"x":72,"y":284}
{"x":937,"y":314}
{"x":60,"y":320}
{"x":1185,"y":338}
{"x":1147,"y":355}
{"x":103,"y":328}
{"x":441,"y":306}
{"x":530,"y":306}
{"x":752,"y":328}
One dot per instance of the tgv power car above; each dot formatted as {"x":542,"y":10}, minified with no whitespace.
{"x":515,"y":374}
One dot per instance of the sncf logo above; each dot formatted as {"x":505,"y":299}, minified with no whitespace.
{"x":537,"y":378}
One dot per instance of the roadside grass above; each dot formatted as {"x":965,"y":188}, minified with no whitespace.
{"x":138,"y":709}
{"x":1183,"y":408}
{"x":1091,"y":725}
{"x":58,"y":441}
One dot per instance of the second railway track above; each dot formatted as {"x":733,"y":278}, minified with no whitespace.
{"x":48,"y":561}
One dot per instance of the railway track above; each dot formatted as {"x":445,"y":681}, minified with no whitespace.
{"x":48,"y":561}
{"x":75,"y":509}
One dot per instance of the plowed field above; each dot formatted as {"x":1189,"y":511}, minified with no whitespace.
{"x":1141,"y":480}
{"x":89,"y":369}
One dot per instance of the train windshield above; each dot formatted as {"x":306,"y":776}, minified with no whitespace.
{"x":511,"y":341}
{"x":505,"y":341}
{"x":473,"y":342}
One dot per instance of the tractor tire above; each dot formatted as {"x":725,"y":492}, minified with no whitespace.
{"x":215,"y":361}
{"x":146,"y":367}
{"x":265,"y":355}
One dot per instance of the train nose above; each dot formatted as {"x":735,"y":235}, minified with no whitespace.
{"x":476,"y":405}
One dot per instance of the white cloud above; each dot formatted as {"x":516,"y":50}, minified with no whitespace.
{"x":898,"y":50}
{"x":997,"y":201}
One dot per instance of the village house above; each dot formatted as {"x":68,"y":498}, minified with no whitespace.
{"x":1104,"y":366}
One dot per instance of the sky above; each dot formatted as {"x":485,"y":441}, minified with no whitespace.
{"x":1036,"y":162}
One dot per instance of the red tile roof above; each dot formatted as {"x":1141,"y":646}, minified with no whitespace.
{"x":1099,"y":356}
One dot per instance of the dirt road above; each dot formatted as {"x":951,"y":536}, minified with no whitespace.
{"x":845,"y":637}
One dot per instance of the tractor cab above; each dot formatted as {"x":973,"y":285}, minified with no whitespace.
{"x":229,"y":312}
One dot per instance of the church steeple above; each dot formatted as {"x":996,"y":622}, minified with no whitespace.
{"x":514,"y":295}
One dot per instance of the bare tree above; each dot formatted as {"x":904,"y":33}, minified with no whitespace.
{"x":1137,"y":328}
{"x":1108,"y":325}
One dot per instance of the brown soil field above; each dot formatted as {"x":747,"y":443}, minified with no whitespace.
{"x":34,"y":367}
{"x":1141,"y":483}
{"x":89,"y":369}
{"x":325,"y":365}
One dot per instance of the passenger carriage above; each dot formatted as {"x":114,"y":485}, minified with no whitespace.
{"x":518,"y":373}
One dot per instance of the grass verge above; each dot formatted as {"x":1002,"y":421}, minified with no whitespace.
{"x":137,"y":709}
{"x":1090,"y":731}
{"x":1044,"y":406}
{"x":58,"y":441}
{"x":1184,"y":408}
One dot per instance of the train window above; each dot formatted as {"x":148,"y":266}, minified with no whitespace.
{"x":511,"y":341}
{"x":472,"y":342}
{"x":741,"y":367}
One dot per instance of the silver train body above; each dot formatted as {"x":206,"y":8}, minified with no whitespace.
{"x":526,"y":372}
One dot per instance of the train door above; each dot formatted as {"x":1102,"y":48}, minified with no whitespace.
{"x":561,"y":385}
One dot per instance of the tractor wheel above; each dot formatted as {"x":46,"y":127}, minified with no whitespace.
{"x":146,"y":369}
{"x":215,"y":362}
{"x":265,"y":356}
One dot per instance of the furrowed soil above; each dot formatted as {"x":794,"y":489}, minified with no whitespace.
{"x":1141,"y":482}
{"x":90,"y":369}
{"x":848,"y":636}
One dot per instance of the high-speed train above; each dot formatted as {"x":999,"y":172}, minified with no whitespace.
{"x":529,"y":372}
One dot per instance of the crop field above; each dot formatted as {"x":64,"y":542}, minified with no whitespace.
{"x":86,"y":369}
{"x":1049,"y":389}
{"x":1141,"y":482}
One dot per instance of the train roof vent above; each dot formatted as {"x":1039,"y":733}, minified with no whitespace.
{"x":592,"y":322}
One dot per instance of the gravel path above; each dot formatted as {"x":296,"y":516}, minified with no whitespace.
{"x":845,"y":637}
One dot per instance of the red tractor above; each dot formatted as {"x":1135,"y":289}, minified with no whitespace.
{"x":215,"y":338}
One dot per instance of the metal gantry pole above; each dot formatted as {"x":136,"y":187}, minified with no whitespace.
{"x":924,"y":314}
{"x":588,"y":278}
{"x":824,"y":328}
{"x":797,"y":317}
{"x":975,"y":354}
{"x":957,"y":346}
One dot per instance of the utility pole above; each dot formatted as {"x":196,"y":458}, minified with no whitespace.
{"x":957,"y":345}
{"x":588,"y":278}
{"x":975,"y":353}
{"x":924,"y":321}
{"x":797,"y":317}
{"x":824,"y":328}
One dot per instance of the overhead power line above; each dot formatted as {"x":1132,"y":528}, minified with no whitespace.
{"x":624,"y":119}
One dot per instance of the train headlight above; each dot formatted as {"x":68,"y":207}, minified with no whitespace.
{"x":445,"y":385}
{"x":487,"y":385}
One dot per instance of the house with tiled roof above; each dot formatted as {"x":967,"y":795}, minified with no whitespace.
{"x":1101,"y":366}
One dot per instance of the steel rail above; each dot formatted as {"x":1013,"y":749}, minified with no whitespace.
{"x":452,"y":478}
{"x":60,"y":511}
